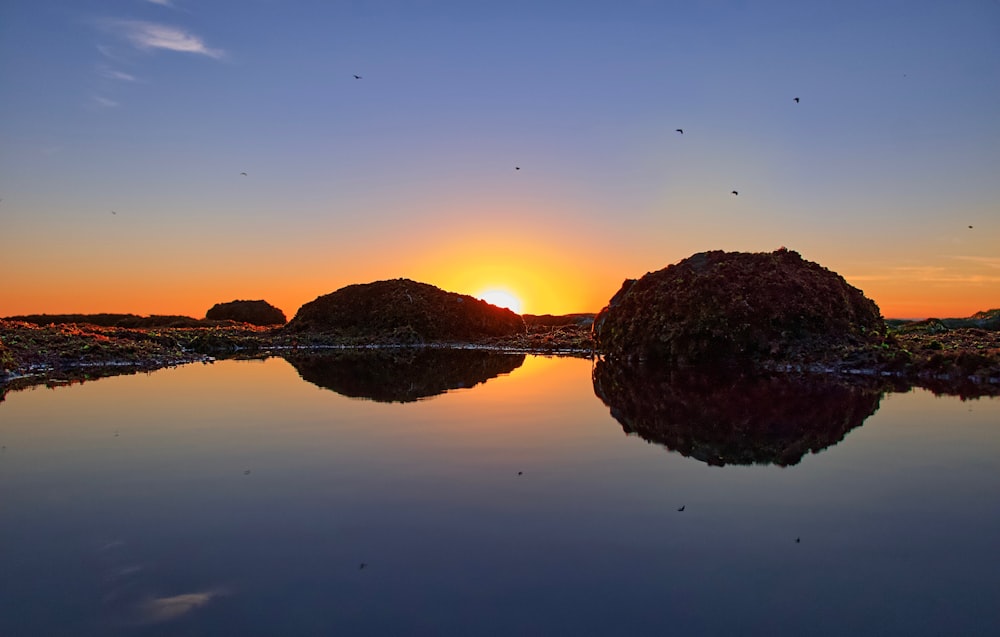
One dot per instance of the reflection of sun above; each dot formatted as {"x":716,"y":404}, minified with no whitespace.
{"x":501,"y":298}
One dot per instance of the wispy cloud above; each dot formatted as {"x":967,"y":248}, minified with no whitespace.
{"x":150,"y":35}
{"x":112,"y":74}
{"x":987,"y":262}
{"x":936,"y":273}
{"x":103,"y":101}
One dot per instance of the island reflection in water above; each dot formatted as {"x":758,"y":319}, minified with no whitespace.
{"x":402,"y":374}
{"x":724,"y":417}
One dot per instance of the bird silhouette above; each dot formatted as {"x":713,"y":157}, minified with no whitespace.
{"x":244,"y":174}
{"x":363,"y":565}
{"x":682,"y":507}
{"x":970,"y":227}
{"x":735,"y":193}
{"x":798,"y":540}
{"x":246,"y":472}
{"x":357,"y":77}
{"x":680,"y":130}
{"x":517,"y":168}
{"x":520,"y":473}
{"x":114,"y":213}
{"x":796,"y":100}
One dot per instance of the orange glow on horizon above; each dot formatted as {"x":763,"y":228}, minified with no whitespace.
{"x":546,"y":275}
{"x":500,"y":297}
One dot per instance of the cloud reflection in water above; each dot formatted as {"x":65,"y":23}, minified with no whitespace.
{"x":161,"y":609}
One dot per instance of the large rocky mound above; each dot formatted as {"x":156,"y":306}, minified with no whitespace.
{"x":737,"y":306}
{"x":252,"y":312}
{"x":404,"y":310}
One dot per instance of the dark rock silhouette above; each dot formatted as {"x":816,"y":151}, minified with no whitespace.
{"x":403,"y":374}
{"x":723,"y":417}
{"x":736,"y":306}
{"x":252,"y":312}
{"x":404,"y":311}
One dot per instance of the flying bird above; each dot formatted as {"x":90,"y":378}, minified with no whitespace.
{"x":970,"y":227}
{"x":517,"y":168}
{"x":520,"y":473}
{"x":680,"y":130}
{"x":796,"y":100}
{"x":114,"y":213}
{"x":682,"y":507}
{"x":735,"y":193}
{"x":357,"y":77}
{"x":798,"y":540}
{"x":244,"y":174}
{"x":362,"y":566}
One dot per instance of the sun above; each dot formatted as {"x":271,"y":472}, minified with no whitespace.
{"x":501,"y":298}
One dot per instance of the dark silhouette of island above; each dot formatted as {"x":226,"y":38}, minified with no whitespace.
{"x":253,"y":312}
{"x":727,"y":417}
{"x":403,"y":374}
{"x":738,"y":306}
{"x":404,"y":311}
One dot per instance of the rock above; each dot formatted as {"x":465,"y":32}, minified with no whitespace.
{"x":252,"y":312}
{"x":404,"y":311}
{"x":738,"y":307}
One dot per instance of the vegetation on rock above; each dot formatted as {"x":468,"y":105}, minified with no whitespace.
{"x":734,"y":306}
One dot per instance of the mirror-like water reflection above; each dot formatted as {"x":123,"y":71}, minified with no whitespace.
{"x":402,"y":374}
{"x":728,"y":417}
{"x":237,"y":499}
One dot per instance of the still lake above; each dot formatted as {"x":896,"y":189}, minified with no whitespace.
{"x":495,"y":495}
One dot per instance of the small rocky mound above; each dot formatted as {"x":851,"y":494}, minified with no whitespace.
{"x":252,"y":312}
{"x":401,"y":310}
{"x":739,"y":307}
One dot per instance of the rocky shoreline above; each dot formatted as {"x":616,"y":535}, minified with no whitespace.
{"x":59,"y":354}
{"x":964,"y":361}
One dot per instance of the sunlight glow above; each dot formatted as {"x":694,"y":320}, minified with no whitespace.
{"x":501,"y":298}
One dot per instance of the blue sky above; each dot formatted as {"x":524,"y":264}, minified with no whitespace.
{"x":153,"y":109}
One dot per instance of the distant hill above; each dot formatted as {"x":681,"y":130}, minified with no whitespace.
{"x":560,"y":320}
{"x":985,"y":320}
{"x":114,"y":320}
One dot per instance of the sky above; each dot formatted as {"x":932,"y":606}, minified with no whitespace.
{"x":524,"y":146}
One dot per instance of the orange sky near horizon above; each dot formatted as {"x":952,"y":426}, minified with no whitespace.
{"x":546,"y":283}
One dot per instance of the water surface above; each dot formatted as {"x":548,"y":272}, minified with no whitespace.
{"x":239,"y":498}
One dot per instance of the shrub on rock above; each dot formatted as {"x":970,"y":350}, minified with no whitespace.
{"x":401,"y":309}
{"x":253,"y":312}
{"x":718,"y":306}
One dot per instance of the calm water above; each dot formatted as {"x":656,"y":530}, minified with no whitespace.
{"x":493,"y":495}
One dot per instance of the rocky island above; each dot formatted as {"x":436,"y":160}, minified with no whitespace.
{"x":773,"y":312}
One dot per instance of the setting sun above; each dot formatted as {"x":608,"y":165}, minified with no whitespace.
{"x":501,"y":298}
